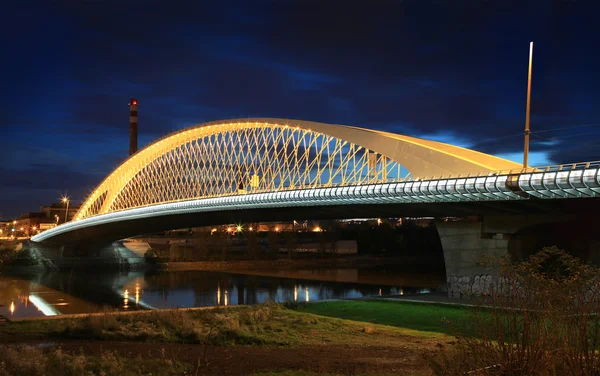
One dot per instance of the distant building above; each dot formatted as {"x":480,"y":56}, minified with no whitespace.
{"x":29,"y":224}
{"x":32,"y":223}
{"x":5,"y":228}
{"x":56,"y":212}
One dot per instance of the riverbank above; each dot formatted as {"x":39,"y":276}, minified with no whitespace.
{"x":237,"y":340}
{"x":331,"y":269}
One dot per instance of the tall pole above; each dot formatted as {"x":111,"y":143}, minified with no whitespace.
{"x":133,"y":126}
{"x":527,"y":131}
{"x":66,"y":201}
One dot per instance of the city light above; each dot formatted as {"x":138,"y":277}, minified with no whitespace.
{"x":317,"y":229}
{"x":229,"y":229}
{"x":238,"y":228}
{"x":276,"y":229}
{"x":250,"y":228}
{"x":65,"y":200}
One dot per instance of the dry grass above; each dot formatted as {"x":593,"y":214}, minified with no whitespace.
{"x":215,"y":326}
{"x":29,"y":361}
{"x":268,"y":324}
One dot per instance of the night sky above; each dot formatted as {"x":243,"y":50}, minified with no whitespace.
{"x":454,"y":71}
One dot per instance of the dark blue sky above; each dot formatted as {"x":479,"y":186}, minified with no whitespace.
{"x":454,"y":71}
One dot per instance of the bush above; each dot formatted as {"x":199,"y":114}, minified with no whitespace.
{"x":539,"y":318}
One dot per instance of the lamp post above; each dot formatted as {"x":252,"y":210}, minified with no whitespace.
{"x":527,"y":130}
{"x":66,"y":201}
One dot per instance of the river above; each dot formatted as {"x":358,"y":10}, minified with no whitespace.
{"x":57,"y":293}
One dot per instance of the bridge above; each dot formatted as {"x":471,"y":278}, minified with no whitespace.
{"x":247,"y":170}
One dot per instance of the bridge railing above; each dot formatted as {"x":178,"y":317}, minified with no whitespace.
{"x":533,"y":169}
{"x":515,"y":178}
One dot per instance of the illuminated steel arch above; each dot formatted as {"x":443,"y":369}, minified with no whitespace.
{"x":259,"y":155}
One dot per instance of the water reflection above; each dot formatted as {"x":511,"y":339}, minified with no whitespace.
{"x":64,"y":293}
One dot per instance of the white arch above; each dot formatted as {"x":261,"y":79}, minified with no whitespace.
{"x":423,"y":158}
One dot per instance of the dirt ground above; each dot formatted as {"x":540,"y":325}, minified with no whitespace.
{"x":406,"y":357}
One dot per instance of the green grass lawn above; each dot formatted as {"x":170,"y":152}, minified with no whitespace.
{"x":416,"y":316}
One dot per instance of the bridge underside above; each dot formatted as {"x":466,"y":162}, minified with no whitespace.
{"x":106,"y":233}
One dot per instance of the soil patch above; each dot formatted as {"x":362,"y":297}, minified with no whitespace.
{"x":405,"y":357}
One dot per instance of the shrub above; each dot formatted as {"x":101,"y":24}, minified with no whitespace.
{"x":539,"y":318}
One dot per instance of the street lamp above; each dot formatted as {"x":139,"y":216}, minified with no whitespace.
{"x":66,"y":201}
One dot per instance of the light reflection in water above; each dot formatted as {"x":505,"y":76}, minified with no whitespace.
{"x":137,"y":292}
{"x":43,"y":306}
{"x":77,"y":293}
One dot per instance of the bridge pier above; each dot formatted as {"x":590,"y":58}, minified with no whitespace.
{"x":464,"y":243}
{"x":68,"y":256}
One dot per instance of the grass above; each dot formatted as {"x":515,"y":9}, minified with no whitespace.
{"x":410,"y":316}
{"x":26,"y":360}
{"x":30,"y":361}
{"x":270,"y":325}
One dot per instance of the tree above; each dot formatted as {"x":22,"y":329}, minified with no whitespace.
{"x":201,"y":244}
{"x":291,"y":244}
{"x":272,"y":243}
{"x":252,"y":244}
{"x":174,"y":252}
{"x":538,"y":317}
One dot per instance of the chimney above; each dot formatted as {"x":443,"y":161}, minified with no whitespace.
{"x":133,"y":126}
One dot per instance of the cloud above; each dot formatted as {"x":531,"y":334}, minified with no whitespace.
{"x":460,"y":77}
